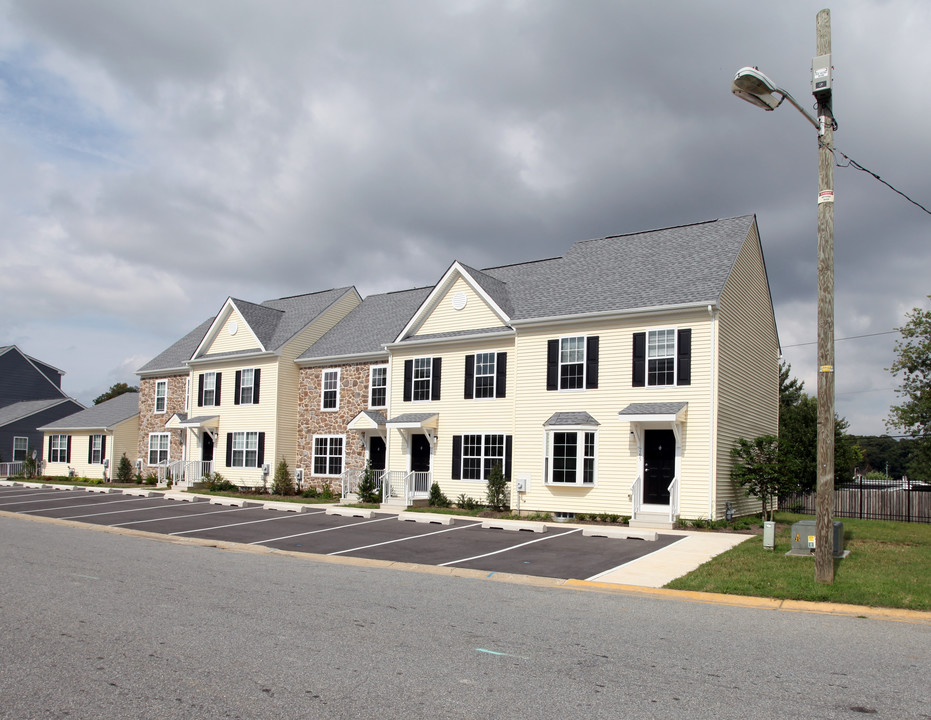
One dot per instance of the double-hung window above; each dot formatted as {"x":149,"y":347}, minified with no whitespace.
{"x":59,"y":445}
{"x":422,"y":378}
{"x":20,"y":448}
{"x":485,"y":375}
{"x":246,"y":385}
{"x":161,"y":395}
{"x":378,"y":386}
{"x":570,"y":457}
{"x":423,"y":375}
{"x":245,"y":449}
{"x":329,"y":395}
{"x":572,"y":363}
{"x":328,"y":454}
{"x":661,"y":357}
{"x":209,"y":390}
{"x":158,"y":448}
{"x":95,"y":449}
{"x":476,"y":454}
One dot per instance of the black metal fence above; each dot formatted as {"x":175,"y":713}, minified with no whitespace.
{"x":905,"y":501}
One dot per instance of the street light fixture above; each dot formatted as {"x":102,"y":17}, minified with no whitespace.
{"x":754,"y":87}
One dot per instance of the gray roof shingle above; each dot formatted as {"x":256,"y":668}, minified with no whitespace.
{"x":100,"y":417}
{"x":25,"y":408}
{"x":175,"y":356}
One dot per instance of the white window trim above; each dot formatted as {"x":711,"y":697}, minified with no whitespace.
{"x":99,"y":449}
{"x":158,"y":450}
{"x":483,"y":457}
{"x":372,"y":370}
{"x":674,"y":357}
{"x":580,"y":431}
{"x":429,"y":379}
{"x":342,"y":456}
{"x":213,"y":389}
{"x":494,"y":376}
{"x":59,"y":449}
{"x":584,"y":363}
{"x":323,"y":389}
{"x":245,"y":449}
{"x":243,"y":386}
{"x":25,"y":450}
{"x":187,"y":393}
{"x":163,"y":384}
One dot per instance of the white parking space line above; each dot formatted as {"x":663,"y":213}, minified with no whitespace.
{"x":83,"y":505}
{"x":178,"y":517}
{"x":33,"y":494}
{"x":618,"y":567}
{"x":47,"y":499}
{"x":314,"y":532}
{"x":411,"y":537}
{"x":229,"y":525}
{"x":513,"y":547}
{"x":116,"y":512}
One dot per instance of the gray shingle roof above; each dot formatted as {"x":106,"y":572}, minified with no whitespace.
{"x":496,"y":289}
{"x":656,"y":408}
{"x":262,"y":320}
{"x":673,"y":266}
{"x":100,"y":417}
{"x":299,"y":311}
{"x":175,"y":356}
{"x":571,"y":418}
{"x":19,"y":410}
{"x":365,"y":330}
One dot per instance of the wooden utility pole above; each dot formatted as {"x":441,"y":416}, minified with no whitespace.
{"x":824,"y":519}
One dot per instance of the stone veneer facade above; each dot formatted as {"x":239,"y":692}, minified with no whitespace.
{"x":150,"y":422}
{"x":353,"y":399}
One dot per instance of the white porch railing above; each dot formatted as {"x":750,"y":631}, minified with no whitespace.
{"x":417,"y":485}
{"x":635,"y":496}
{"x":11,"y":469}
{"x":349,"y":481}
{"x":674,"y":499}
{"x":184,"y":473}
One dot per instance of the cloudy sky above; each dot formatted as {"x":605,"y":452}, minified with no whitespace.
{"x":159,"y":157}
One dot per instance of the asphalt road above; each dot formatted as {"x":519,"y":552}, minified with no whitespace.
{"x":104,"y":626}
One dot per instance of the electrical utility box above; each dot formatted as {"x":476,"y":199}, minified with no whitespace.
{"x":822,"y":77}
{"x":804,"y":535}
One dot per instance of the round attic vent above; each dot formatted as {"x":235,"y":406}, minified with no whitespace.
{"x":459,"y":300}
{"x":233,"y":327}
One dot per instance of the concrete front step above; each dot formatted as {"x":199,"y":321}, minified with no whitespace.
{"x":658,"y":521}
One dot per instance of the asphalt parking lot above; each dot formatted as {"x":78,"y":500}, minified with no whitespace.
{"x":560,"y":552}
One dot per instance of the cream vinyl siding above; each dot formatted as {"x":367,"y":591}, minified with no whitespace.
{"x":617,"y":462}
{"x":124,"y":440}
{"x":748,"y":372}
{"x":457,"y":416}
{"x":244,"y":339}
{"x":476,"y":314}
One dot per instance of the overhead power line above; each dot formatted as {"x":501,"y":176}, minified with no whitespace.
{"x":857,"y":166}
{"x":852,"y":337}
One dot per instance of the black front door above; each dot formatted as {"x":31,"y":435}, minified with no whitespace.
{"x":420,"y":453}
{"x":659,"y":465}
{"x":377,"y":453}
{"x":206,"y":453}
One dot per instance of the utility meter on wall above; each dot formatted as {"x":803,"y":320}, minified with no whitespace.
{"x":821,"y":75}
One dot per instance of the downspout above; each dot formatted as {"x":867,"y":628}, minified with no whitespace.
{"x":713,"y":413}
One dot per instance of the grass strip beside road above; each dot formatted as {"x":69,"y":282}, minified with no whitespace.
{"x":889,"y":566}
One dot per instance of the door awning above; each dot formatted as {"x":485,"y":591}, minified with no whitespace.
{"x":672,"y":412}
{"x":415,"y":421}
{"x":367,"y":420}
{"x":181,"y":420}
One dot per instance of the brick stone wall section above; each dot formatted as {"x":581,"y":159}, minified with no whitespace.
{"x":149,"y":422}
{"x":353,"y":399}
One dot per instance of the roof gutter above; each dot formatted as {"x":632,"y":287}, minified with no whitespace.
{"x":413,"y":342}
{"x":231,"y":358}
{"x":333,"y":359}
{"x":609,"y":314}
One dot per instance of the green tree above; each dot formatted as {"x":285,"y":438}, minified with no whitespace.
{"x":367,"y":490}
{"x":283,"y":483}
{"x":124,"y":470}
{"x":912,"y":369}
{"x":764,"y":469}
{"x":116,"y":389}
{"x":798,"y":431}
{"x":496,"y":494}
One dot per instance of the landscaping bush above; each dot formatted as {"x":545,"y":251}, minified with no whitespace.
{"x":496,"y":494}
{"x":368,"y":491}
{"x":283,"y":484}
{"x":310,"y":492}
{"x":124,"y":470}
{"x":151,"y":479}
{"x":437,"y":498}
{"x":215,"y":482}
{"x":326,"y":492}
{"x":465,"y":502}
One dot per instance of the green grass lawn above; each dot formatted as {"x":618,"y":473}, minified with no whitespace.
{"x":889,"y":566}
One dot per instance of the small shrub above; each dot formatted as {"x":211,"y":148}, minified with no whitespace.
{"x":496,"y":494}
{"x":581,"y":517}
{"x":603,"y":517}
{"x":613,"y":518}
{"x":215,"y":482}
{"x":466,"y":502}
{"x":326,"y":492}
{"x":368,"y":491}
{"x":625,"y":519}
{"x":151,"y":479}
{"x":283,"y":484}
{"x":124,"y":470}
{"x":437,"y":498}
{"x":310,"y":492}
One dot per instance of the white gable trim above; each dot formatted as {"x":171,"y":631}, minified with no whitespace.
{"x":219,"y":322}
{"x":455,"y":271}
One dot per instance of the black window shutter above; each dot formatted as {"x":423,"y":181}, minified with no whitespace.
{"x":261,"y":454}
{"x":216,"y":395}
{"x":200,"y":390}
{"x":435,"y":380}
{"x":591,"y":363}
{"x":256,"y":377}
{"x":90,"y":449}
{"x":501,"y":375}
{"x":469,"y":378}
{"x":103,"y":447}
{"x":50,"y":447}
{"x":229,"y":449}
{"x":552,"y":365}
{"x":238,"y":387}
{"x":68,"y":456}
{"x":508,"y":449}
{"x":408,"y":379}
{"x":457,"y":457}
{"x":684,"y":357}
{"x":640,"y":359}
